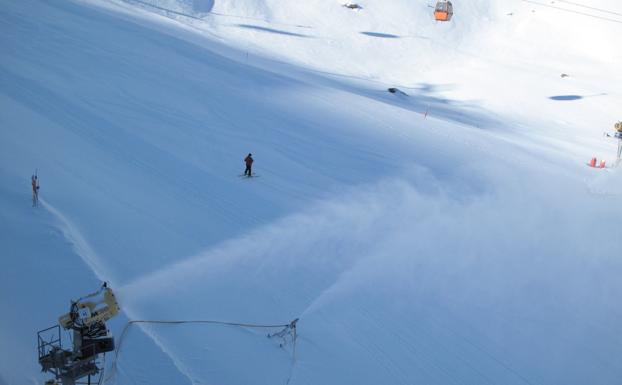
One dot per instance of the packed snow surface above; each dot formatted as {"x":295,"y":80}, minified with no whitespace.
{"x":448,"y":233}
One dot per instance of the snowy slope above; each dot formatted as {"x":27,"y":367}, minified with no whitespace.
{"x":520,"y":47}
{"x":469,"y":246}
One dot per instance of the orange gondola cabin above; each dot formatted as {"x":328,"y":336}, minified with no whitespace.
{"x":443,"y":11}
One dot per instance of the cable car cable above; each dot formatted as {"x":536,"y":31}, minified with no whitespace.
{"x":588,"y":7}
{"x":572,"y":11}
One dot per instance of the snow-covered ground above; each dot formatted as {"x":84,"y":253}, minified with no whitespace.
{"x":449,"y":234}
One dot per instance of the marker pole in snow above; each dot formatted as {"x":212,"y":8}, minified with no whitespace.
{"x":618,"y":135}
{"x":37,"y":182}
{"x":35,"y":189}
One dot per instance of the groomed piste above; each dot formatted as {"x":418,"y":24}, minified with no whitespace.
{"x":424,"y":203}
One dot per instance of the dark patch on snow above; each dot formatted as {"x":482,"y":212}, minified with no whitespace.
{"x":162,"y":10}
{"x":566,"y":97}
{"x":272,"y":30}
{"x":383,"y":35}
{"x":202,"y":5}
{"x":394,"y":90}
{"x":352,"y":6}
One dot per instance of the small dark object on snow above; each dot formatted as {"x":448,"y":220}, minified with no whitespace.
{"x":564,"y":75}
{"x":394,"y":90}
{"x":249,"y":164}
{"x":288,"y":330}
{"x":352,"y":6}
{"x":35,"y":190}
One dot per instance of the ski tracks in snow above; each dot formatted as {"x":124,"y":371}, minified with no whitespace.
{"x":90,"y":257}
{"x":80,"y":245}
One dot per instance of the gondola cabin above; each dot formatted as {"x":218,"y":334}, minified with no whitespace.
{"x":443,"y":11}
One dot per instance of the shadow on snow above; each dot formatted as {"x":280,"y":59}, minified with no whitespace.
{"x":272,"y":30}
{"x":382,"y":35}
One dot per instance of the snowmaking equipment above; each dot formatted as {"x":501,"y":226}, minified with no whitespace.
{"x":83,"y":362}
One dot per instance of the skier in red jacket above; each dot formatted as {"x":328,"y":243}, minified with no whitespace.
{"x":249,"y":164}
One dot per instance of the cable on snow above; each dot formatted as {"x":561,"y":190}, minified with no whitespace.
{"x":288,"y":330}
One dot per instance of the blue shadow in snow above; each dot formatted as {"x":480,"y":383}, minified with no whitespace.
{"x":198,"y":6}
{"x":271,"y":30}
{"x":426,"y":97}
{"x":202,"y":5}
{"x":566,"y":97}
{"x":383,"y":35}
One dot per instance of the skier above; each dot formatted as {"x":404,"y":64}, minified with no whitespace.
{"x":249,"y":164}
{"x":35,"y":190}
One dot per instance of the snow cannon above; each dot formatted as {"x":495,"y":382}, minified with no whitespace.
{"x":91,"y":340}
{"x":91,"y":309}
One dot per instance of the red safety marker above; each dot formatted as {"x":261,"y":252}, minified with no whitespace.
{"x":593,"y":162}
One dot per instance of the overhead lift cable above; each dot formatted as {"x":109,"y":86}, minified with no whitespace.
{"x":589,"y":7}
{"x":575,"y":12}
